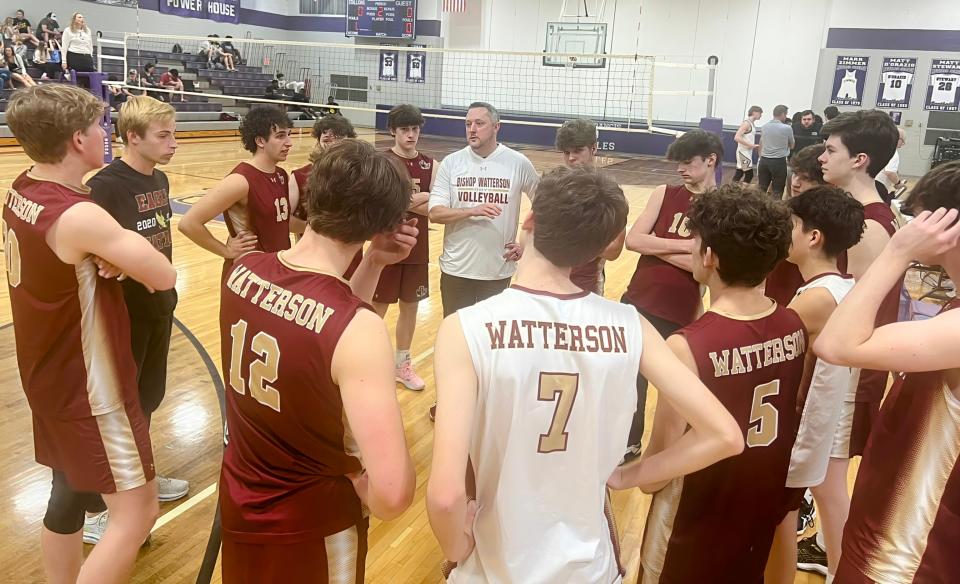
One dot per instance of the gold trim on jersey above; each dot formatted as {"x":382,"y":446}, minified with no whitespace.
{"x":120,"y":445}
{"x":343,"y":550}
{"x":238,"y":217}
{"x":82,"y":189}
{"x":746,"y":317}
{"x":659,"y":529}
{"x":104,"y":394}
{"x":902,"y":541}
{"x":299,"y":268}
{"x":103,"y":387}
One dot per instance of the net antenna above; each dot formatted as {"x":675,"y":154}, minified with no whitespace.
{"x":579,"y":35}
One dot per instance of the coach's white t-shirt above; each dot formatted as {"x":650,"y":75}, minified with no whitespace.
{"x":892,"y":166}
{"x":473,"y":247}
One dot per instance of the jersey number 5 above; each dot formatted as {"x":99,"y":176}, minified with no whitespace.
{"x":764,"y":418}
{"x":561,"y":388}
{"x":262,"y":371}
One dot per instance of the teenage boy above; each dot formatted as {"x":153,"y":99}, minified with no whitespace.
{"x":71,"y":325}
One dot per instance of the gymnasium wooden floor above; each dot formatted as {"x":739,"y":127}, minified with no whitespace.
{"x":186,"y":430}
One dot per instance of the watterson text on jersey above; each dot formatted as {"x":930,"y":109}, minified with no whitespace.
{"x":23,"y":207}
{"x":560,"y":336}
{"x":278,"y":301}
{"x":749,"y":357}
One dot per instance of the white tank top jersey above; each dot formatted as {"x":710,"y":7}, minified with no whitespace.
{"x":750,"y":137}
{"x":829,"y":387}
{"x":557,"y":392}
{"x":473,"y":247}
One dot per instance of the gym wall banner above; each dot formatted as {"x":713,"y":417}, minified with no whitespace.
{"x":942,"y":93}
{"x":416,"y":67}
{"x":896,"y":82}
{"x":388,"y":65}
{"x":849,"y":79}
{"x":218,"y":10}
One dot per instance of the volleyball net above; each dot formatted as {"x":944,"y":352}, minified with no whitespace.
{"x":621,"y":92}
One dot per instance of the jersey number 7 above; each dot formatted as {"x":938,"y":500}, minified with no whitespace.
{"x":561,"y":388}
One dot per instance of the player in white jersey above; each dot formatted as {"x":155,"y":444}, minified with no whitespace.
{"x":944,"y":88}
{"x":895,"y":85}
{"x":746,"y":139}
{"x":848,"y":86}
{"x":826,"y":222}
{"x":537,"y":389}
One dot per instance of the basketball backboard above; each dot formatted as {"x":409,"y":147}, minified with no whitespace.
{"x":584,"y":38}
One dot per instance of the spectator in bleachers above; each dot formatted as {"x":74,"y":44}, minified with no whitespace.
{"x":227,"y":46}
{"x":7,"y":30}
{"x":331,"y":111}
{"x":43,"y":60}
{"x":223,"y":57}
{"x":171,"y":80}
{"x":22,"y":26}
{"x":78,"y":46}
{"x":4,"y":75}
{"x":118,"y":95}
{"x":148,"y":80}
{"x":206,"y":47}
{"x":133,"y":78}
{"x":48,"y":28}
{"x":18,"y":70}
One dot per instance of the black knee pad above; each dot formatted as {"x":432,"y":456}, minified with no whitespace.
{"x":66,"y":507}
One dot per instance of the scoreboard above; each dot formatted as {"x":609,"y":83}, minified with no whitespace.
{"x":382,"y":18}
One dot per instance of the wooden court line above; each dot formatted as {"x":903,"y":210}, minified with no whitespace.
{"x":184,"y":507}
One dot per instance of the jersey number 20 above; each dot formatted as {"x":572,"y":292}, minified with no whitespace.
{"x":262,"y":372}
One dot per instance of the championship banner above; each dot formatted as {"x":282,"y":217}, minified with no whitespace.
{"x":218,"y":10}
{"x":388,"y":65}
{"x":416,"y":67}
{"x":849,"y":80}
{"x":942,"y":94}
{"x":896,"y":82}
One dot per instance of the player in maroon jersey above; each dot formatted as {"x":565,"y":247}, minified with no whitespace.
{"x":408,"y":282}
{"x":253,"y":197}
{"x":577,"y":141}
{"x":749,"y":352}
{"x":858,"y":146}
{"x":73,"y":335}
{"x":904,"y":521}
{"x":663,"y":289}
{"x":326,"y":131}
{"x":785,"y":279}
{"x":316,"y":436}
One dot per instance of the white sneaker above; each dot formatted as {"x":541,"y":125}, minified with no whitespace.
{"x":169,"y":489}
{"x":93,"y":528}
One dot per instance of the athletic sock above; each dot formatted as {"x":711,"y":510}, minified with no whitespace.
{"x":830,"y":578}
{"x":402,"y":356}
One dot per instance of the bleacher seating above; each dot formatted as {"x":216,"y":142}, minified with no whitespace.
{"x":198,"y":113}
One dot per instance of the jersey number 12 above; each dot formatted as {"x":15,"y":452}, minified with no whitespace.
{"x":262,"y":372}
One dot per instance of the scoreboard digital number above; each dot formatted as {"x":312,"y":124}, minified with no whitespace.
{"x":395,"y":19}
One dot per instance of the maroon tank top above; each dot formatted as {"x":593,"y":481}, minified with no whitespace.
{"x":283,"y":475}
{"x":754,"y":367}
{"x":657,"y":287}
{"x":71,"y":327}
{"x":420,"y":169}
{"x":872,"y":383}
{"x":267,"y":213}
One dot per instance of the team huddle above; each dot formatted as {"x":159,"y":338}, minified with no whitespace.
{"x":767,"y":391}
